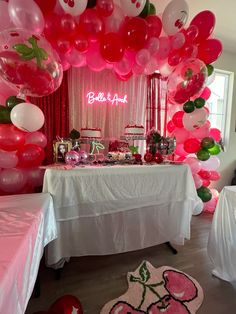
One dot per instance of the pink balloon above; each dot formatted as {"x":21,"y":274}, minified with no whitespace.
{"x":76,"y":58}
{"x":177,"y":119}
{"x":197,"y":181}
{"x":215,"y":134}
{"x":215,"y":193}
{"x":8,"y":159}
{"x":94,"y":59}
{"x":192,"y":145}
{"x":123,"y":67}
{"x":206,"y":93}
{"x":170,"y":127}
{"x":210,"y":205}
{"x":177,"y":41}
{"x":80,"y":42}
{"x":6,"y":91}
{"x":12,"y":180}
{"x":205,"y":22}
{"x":164,"y":48}
{"x":137,"y":69}
{"x":26,"y":15}
{"x":5,"y":21}
{"x":194,"y":164}
{"x":114,"y":21}
{"x":180,"y":150}
{"x":37,"y":138}
{"x":152,"y":45}
{"x":180,"y":134}
{"x":212,"y":164}
{"x":38,"y":76}
{"x":142,"y":57}
{"x":72,"y":158}
{"x":202,"y":132}
{"x":195,"y":119}
{"x":151,"y":66}
{"x":215,"y":175}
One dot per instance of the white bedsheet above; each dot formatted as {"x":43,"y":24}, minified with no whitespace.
{"x":222,"y":238}
{"x":107,"y":210}
{"x":27,"y":225}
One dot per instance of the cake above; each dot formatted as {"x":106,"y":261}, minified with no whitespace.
{"x":90,"y":133}
{"x":134,"y":130}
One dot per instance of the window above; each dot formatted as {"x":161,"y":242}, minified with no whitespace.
{"x":220,"y":103}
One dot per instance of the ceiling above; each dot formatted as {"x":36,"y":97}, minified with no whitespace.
{"x":225,"y":28}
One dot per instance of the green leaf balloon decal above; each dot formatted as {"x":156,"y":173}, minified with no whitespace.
{"x":30,"y":53}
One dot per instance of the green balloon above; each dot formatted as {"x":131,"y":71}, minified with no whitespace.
{"x":207,"y":142}
{"x":152,"y":9}
{"x":199,"y":102}
{"x":210,"y":69}
{"x":215,"y":150}
{"x":12,"y":101}
{"x":189,"y":106}
{"x":4,"y":115}
{"x":203,"y":155}
{"x":145,"y":11}
{"x":204,"y":194}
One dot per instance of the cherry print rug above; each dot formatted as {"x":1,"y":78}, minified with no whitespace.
{"x":163,"y":290}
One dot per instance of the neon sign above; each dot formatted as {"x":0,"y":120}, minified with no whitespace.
{"x":101,"y":97}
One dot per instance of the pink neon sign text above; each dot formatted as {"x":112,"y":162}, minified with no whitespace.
{"x":101,"y":97}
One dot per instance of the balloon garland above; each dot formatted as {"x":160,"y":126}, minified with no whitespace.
{"x":129,"y":39}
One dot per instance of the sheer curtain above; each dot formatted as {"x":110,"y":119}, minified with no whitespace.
{"x":112,"y":119}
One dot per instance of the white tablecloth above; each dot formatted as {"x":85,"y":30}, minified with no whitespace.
{"x":27,"y":225}
{"x":222,"y":238}
{"x":107,"y":210}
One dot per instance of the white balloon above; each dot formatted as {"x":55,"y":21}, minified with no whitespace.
{"x":195,"y":120}
{"x":132,"y":8}
{"x":212,"y":164}
{"x":27,"y":117}
{"x":175,"y":16}
{"x":75,"y":7}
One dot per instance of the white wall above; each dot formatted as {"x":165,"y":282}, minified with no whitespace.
{"x":227,"y":62}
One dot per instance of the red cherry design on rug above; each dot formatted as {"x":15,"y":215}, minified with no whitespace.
{"x":124,"y":308}
{"x":167,"y":305}
{"x":179,"y":285}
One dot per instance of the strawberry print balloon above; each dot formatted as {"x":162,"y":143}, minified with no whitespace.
{"x":175,"y":16}
{"x":74,"y":7}
{"x":132,"y":7}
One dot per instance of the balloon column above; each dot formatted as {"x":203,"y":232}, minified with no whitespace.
{"x":20,"y":152}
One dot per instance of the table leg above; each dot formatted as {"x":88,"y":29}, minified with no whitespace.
{"x":173,"y":250}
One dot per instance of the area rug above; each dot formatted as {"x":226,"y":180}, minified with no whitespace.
{"x":157,"y":290}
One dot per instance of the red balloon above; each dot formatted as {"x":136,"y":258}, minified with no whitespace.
{"x":135,"y":33}
{"x":148,"y":157}
{"x":68,"y":24}
{"x":204,"y":174}
{"x":91,"y":24}
{"x":46,"y":6}
{"x":124,"y":78}
{"x":105,"y":7}
{"x":174,"y":58}
{"x":191,"y":34}
{"x":11,"y":138}
{"x":192,"y":145}
{"x":112,"y":47}
{"x":80,"y":42}
{"x":66,"y":304}
{"x":215,"y":175}
{"x":30,"y":155}
{"x":215,"y":134}
{"x":170,"y":126}
{"x":210,"y":50}
{"x":154,"y":26}
{"x":158,"y":158}
{"x":206,"y":183}
{"x":63,"y":46}
{"x":205,"y":22}
{"x":189,"y":51}
{"x":206,"y":93}
{"x":177,"y":119}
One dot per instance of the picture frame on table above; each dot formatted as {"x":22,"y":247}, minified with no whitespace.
{"x":60,"y":148}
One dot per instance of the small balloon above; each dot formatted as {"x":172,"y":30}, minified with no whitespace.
{"x":72,"y":158}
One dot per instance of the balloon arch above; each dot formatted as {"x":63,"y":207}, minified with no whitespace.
{"x":40,"y":39}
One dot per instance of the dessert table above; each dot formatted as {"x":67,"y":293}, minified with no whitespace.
{"x":27,"y":225}
{"x":114,"y":209}
{"x":222,"y":238}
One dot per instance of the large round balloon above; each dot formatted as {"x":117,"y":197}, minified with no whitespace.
{"x":27,"y":117}
{"x":12,"y":180}
{"x":186,"y":80}
{"x":74,"y":7}
{"x":27,"y":15}
{"x":112,"y":47}
{"x":29,"y":63}
{"x":135,"y":33}
{"x":205,"y":22}
{"x":30,"y":155}
{"x":11,"y":138}
{"x":195,"y":119}
{"x":91,"y":24}
{"x":8,"y":159}
{"x":37,"y":138}
{"x":132,"y":8}
{"x":210,"y":50}
{"x":175,"y":16}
